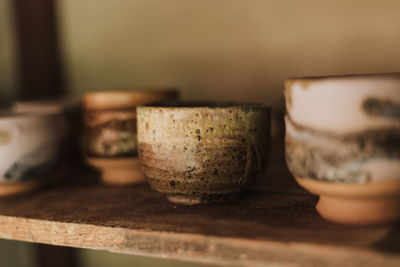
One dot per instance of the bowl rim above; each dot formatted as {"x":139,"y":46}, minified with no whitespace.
{"x":390,"y":75}
{"x":6,"y":114}
{"x":134,"y":91}
{"x":122,"y":99}
{"x":182,"y":105}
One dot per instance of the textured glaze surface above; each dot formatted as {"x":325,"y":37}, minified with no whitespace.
{"x":110,"y":121}
{"x":344,"y":129}
{"x":343,"y":158}
{"x":206,"y":153}
{"x":30,"y":145}
{"x":110,"y":133}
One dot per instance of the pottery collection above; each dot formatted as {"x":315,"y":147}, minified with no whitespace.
{"x":203,"y":152}
{"x":343,"y":143}
{"x":110,"y":141}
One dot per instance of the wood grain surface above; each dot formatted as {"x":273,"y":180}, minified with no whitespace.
{"x":264,"y":226}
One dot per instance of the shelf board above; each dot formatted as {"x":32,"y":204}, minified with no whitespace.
{"x":264,"y":226}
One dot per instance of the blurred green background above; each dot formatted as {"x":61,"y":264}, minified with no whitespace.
{"x":227,"y":49}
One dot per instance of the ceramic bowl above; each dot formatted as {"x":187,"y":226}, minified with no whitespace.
{"x":70,"y":113}
{"x":343,"y":143}
{"x":30,"y":149}
{"x":110,"y":141}
{"x":203,"y":152}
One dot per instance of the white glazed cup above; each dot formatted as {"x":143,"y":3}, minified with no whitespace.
{"x":355,"y":118}
{"x":343,"y":143}
{"x":30,"y":145}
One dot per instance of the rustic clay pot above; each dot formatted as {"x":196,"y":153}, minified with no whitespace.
{"x":343,"y":143}
{"x":110,"y":141}
{"x":30,"y":149}
{"x":203,"y":152}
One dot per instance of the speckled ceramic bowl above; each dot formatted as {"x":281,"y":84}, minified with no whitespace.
{"x":203,"y":152}
{"x":343,"y":143}
{"x":29,"y":149}
{"x":110,"y":141}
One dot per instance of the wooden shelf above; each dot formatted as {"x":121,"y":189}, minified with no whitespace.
{"x":264,"y":226}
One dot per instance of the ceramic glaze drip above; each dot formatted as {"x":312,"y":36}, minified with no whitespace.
{"x":340,"y":158}
{"x":40,"y":161}
{"x":113,"y":138}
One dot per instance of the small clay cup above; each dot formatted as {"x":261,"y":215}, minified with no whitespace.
{"x":343,"y":143}
{"x":203,"y":152}
{"x":70,"y":112}
{"x":30,"y":149}
{"x":110,"y":141}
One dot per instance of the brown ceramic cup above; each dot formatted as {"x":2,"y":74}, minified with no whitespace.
{"x":203,"y":152}
{"x":110,"y":141}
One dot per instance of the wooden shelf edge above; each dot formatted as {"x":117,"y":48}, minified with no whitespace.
{"x":189,"y":247}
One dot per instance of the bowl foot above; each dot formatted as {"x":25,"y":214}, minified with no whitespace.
{"x":122,"y":177}
{"x":15,"y":188}
{"x":359,"y":211}
{"x":197,"y":200}
{"x":119,"y":171}
{"x":357,"y":204}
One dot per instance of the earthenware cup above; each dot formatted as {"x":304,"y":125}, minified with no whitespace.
{"x":110,"y":141}
{"x":70,"y":112}
{"x":343,"y":143}
{"x":30,"y":149}
{"x":203,"y":152}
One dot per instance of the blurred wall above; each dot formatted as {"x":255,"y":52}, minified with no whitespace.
{"x":17,"y":254}
{"x":224,"y":49}
{"x":96,"y":258}
{"x":8,"y":80}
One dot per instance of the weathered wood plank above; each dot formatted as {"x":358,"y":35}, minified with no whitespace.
{"x":261,"y":227}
